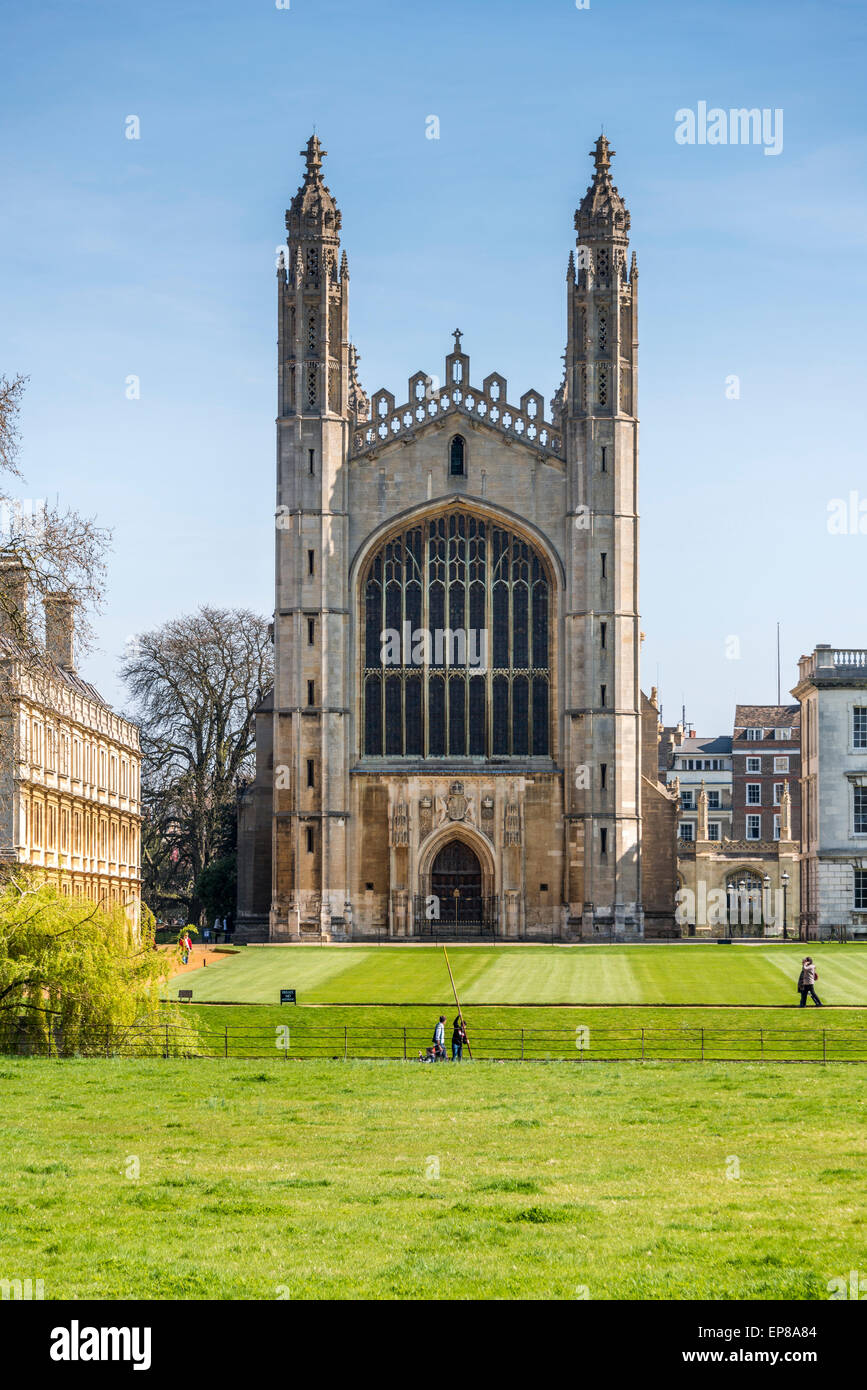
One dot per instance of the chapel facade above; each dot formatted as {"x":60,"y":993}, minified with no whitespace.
{"x":453,"y":744}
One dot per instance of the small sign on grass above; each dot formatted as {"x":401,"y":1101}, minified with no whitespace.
{"x":287,"y":996}
{"x":185,"y":996}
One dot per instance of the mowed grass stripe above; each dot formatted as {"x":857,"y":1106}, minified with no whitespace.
{"x":658,"y":974}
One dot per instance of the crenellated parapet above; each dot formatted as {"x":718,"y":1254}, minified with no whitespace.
{"x":429,"y":404}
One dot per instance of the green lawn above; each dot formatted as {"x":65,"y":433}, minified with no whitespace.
{"x":534,"y":1033}
{"x":371,"y":1180}
{"x":648,"y":974}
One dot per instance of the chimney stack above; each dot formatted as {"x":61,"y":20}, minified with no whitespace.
{"x":60,"y":629}
{"x":13,"y":600}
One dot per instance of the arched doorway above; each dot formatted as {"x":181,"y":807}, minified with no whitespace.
{"x":456,"y":881}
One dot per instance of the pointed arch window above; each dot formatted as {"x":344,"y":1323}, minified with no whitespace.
{"x":457,"y":457}
{"x":456,"y":618}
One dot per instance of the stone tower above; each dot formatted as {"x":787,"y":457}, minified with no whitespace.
{"x":310,"y":621}
{"x":602,"y":697}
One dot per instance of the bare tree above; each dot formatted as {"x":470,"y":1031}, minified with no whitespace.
{"x":44,"y":549}
{"x":195,"y":683}
{"x":45,"y":552}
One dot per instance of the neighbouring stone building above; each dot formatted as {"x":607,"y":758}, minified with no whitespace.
{"x":832,"y":691}
{"x":69,"y":766}
{"x":739,"y":824}
{"x":733,"y":887}
{"x":456,"y":738}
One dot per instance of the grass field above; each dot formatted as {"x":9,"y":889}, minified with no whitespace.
{"x":533,"y":1033}
{"x":649,"y":974}
{"x":368,"y":1180}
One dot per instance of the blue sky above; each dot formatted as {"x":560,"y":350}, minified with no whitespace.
{"x":155,"y":257}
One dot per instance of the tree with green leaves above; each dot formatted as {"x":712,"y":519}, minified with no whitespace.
{"x":75,"y":977}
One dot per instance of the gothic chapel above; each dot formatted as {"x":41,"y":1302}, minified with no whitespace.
{"x":456,"y":744}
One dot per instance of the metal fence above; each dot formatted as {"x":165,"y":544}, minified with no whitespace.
{"x":582,"y":1044}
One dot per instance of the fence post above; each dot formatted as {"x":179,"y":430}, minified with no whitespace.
{"x":108,"y":1040}
{"x":49,"y":1037}
{"x":762,"y":1042}
{"x":167,"y":1041}
{"x":702,"y":1044}
{"x":642,"y":1044}
{"x":522,"y":1044}
{"x":404,"y":1043}
{"x":345,"y":1042}
{"x":226,"y":1041}
{"x":824,"y":1047}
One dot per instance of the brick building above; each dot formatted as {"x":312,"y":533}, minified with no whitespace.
{"x":766,"y":758}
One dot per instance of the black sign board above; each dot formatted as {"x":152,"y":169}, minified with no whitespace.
{"x":287,"y":996}
{"x":184,"y":995}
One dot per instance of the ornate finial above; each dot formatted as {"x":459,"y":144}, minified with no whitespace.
{"x":602,"y":153}
{"x":456,"y":334}
{"x":313,"y":154}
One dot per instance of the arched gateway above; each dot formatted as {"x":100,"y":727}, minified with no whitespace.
{"x":456,"y":883}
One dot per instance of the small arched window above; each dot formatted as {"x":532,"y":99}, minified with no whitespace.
{"x":456,"y":457}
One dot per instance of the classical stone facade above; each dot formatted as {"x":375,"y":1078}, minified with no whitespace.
{"x":69,"y":772}
{"x":454,"y":738}
{"x":738,"y":887}
{"x":832,"y":691}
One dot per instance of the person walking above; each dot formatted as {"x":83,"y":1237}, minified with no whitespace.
{"x":439,"y":1039}
{"x":459,"y":1037}
{"x":807,"y":982}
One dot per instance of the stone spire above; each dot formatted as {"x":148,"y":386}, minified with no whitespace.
{"x":701,"y":828}
{"x":314,"y":300}
{"x":786,"y":814}
{"x":602,"y":214}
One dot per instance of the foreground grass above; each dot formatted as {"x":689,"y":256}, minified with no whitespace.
{"x":612,"y":974}
{"x":383,"y":1180}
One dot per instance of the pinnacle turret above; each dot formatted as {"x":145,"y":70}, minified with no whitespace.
{"x":313,"y":214}
{"x":602,"y":214}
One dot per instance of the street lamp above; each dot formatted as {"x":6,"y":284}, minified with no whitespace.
{"x":766,"y":883}
{"x":785,"y":882}
{"x":730,"y":890}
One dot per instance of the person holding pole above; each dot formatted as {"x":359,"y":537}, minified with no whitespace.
{"x":459,"y":1037}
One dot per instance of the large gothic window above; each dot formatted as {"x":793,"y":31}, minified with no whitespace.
{"x":456,"y":643}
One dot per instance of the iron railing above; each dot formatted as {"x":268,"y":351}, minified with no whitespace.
{"x":396,"y":1042}
{"x":474,"y":917}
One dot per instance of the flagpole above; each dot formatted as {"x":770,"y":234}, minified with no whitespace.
{"x":457,"y":1000}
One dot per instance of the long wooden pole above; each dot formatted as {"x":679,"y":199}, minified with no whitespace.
{"x":457,"y":1000}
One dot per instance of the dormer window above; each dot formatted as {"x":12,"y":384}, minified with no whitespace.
{"x":457,"y":467}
